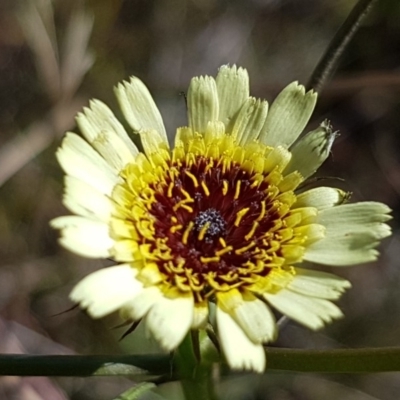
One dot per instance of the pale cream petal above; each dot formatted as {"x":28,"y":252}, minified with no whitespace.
{"x":276,"y":159}
{"x":309,"y":311}
{"x":318,"y":284}
{"x":124,"y":250}
{"x":107,"y":290}
{"x":122,"y":228}
{"x":113,"y":150}
{"x":86,"y":201}
{"x":251,"y":314}
{"x":290,"y":182}
{"x":200,"y":316}
{"x":106,"y":134}
{"x":310,"y":233}
{"x":80,"y":160}
{"x":215,"y":130}
{"x":140,"y":305}
{"x":321,"y":198}
{"x":250,"y":120}
{"x":150,"y":274}
{"x":233,"y":91}
{"x":170,"y":319}
{"x":83,"y":236}
{"x":312,"y":150}
{"x":356,"y":247}
{"x":288,"y":116}
{"x":240,"y":352}
{"x":352,"y":233}
{"x":202,"y":99}
{"x":139,"y":108}
{"x":152,"y":142}
{"x":184,"y":135}
{"x":366,"y":213}
{"x":257,"y":320}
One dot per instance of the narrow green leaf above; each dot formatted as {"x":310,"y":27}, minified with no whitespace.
{"x":140,"y":392}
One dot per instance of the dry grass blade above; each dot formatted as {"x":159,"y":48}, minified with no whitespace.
{"x":76,"y":58}
{"x":60,"y":82}
{"x":19,"y":151}
{"x":34,"y":19}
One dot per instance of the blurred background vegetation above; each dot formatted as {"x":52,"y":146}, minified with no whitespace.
{"x":56,"y":55}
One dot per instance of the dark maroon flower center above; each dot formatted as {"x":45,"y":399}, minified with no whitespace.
{"x":212,"y":222}
{"x":214,"y":217}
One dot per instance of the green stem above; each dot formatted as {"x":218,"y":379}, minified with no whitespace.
{"x":338,"y":44}
{"x":152,"y":367}
{"x":143,"y":367}
{"x":335,"y":361}
{"x":195,"y":377}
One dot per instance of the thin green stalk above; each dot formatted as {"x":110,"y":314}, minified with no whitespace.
{"x":152,"y":367}
{"x":338,"y":44}
{"x":195,"y":377}
{"x":335,"y":361}
{"x":143,"y":367}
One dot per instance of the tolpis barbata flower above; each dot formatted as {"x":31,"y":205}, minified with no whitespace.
{"x":213,"y":228}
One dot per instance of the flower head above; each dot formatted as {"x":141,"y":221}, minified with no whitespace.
{"x":214,"y":228}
